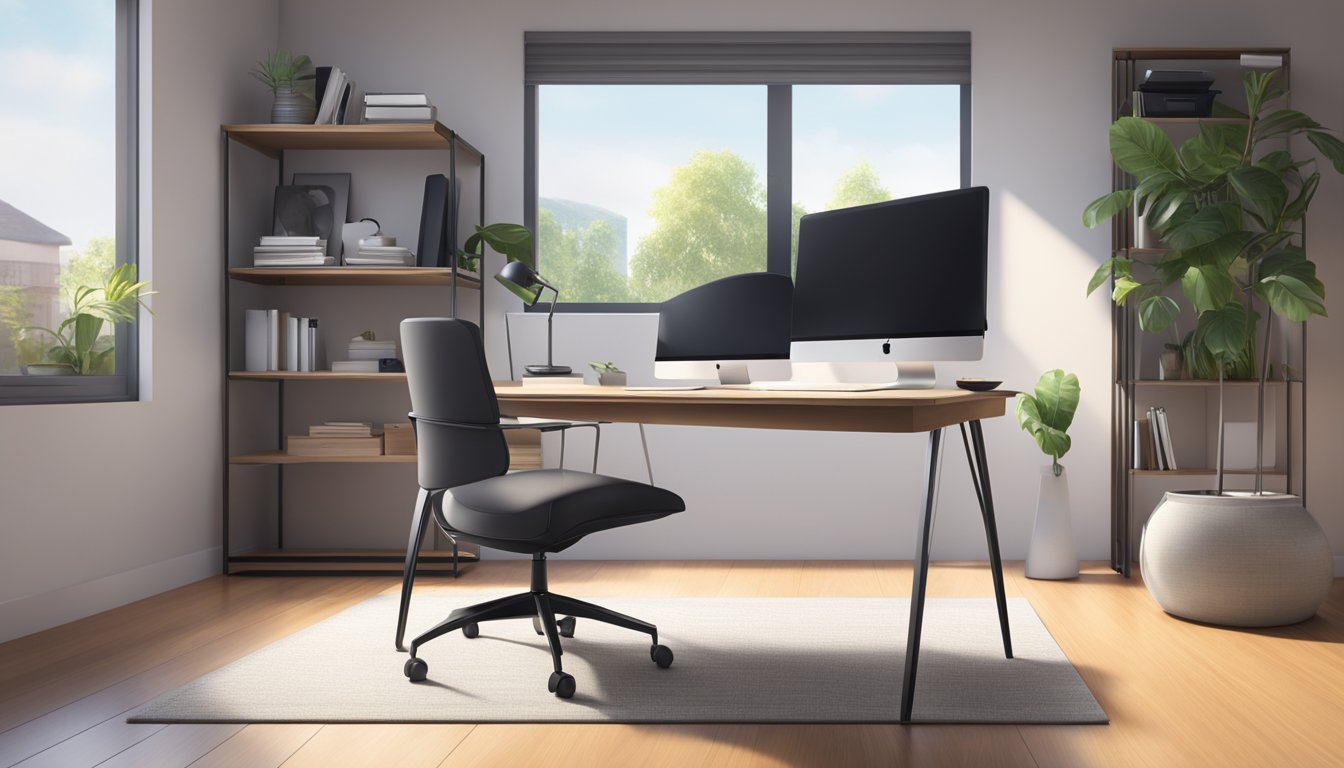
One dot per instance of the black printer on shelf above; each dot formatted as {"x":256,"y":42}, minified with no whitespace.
{"x":1177,"y":93}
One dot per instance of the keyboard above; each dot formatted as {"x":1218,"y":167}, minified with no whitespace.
{"x":822,"y":386}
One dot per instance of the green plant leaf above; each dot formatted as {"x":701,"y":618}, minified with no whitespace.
{"x":1225,"y":330}
{"x":1208,"y":224}
{"x":1057,"y":395}
{"x":1142,"y":149}
{"x":1298,"y":207}
{"x":514,"y":241}
{"x":1123,"y":287}
{"x":1257,"y":90}
{"x":1293,"y":297}
{"x":1162,"y":212}
{"x":1277,"y":162}
{"x":1220,"y":253}
{"x":1171,"y":268}
{"x":1157,"y":313}
{"x":1215,"y":150}
{"x":1116,"y":264}
{"x":1330,"y":146}
{"x":1154,"y":186}
{"x":1262,"y":190}
{"x":1207,"y":287}
{"x":1283,"y":122}
{"x":1107,"y":206}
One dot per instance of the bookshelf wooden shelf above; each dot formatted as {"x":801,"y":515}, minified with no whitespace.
{"x":1213,"y":383}
{"x":272,"y":140}
{"x":313,"y":376}
{"x":1198,"y":120}
{"x":430,"y":276}
{"x":1201,"y":472}
{"x":445,"y":149}
{"x":280,"y":457}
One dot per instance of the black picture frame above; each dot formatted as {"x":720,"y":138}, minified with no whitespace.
{"x":340,"y":184}
{"x":304,"y":210}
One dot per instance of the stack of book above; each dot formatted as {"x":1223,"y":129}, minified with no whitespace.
{"x":277,"y":251}
{"x":1152,"y":441}
{"x":338,"y":438}
{"x":398,"y":108}
{"x":333,"y":88}
{"x":279,"y":341}
{"x":382,"y":256}
{"x":363,"y":354}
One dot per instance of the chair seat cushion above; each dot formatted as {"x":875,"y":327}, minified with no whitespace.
{"x":545,"y":507}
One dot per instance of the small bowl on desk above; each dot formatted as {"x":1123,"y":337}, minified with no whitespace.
{"x":977,"y":385}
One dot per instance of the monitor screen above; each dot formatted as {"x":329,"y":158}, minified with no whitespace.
{"x":742,"y":317}
{"x":908,"y":268}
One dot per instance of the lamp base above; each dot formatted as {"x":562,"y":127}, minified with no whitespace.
{"x":548,"y":370}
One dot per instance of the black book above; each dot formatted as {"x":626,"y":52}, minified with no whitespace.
{"x":320,"y":83}
{"x":433,"y":245}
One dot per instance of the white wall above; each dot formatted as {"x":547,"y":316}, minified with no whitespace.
{"x":107,"y":503}
{"x":1041,"y":107}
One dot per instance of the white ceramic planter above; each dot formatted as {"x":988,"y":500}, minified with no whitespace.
{"x":1052,"y":554}
{"x":1239,"y":560}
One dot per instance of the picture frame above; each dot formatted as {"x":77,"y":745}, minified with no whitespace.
{"x":340,"y":184}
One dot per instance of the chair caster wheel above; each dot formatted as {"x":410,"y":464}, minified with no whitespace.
{"x":471,"y":631}
{"x":536,"y":625}
{"x":567,"y":625}
{"x":661,"y":655}
{"x":561,"y":684}
{"x":415,"y":670}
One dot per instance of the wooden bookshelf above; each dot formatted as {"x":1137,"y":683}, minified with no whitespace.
{"x":271,"y":140}
{"x":429,"y":276}
{"x":313,"y":376}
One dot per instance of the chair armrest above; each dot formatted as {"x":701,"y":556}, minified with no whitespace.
{"x":545,"y":425}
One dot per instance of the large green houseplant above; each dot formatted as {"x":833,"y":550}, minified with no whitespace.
{"x":1229,"y":204}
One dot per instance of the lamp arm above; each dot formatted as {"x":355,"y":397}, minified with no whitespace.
{"x":550,"y":318}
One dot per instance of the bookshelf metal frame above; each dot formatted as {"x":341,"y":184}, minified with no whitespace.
{"x":275,"y":141}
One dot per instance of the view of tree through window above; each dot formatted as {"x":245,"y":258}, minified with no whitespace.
{"x":639,"y":201}
{"x":58,"y":174}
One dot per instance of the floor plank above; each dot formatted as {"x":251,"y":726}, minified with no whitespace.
{"x":1178,"y":693}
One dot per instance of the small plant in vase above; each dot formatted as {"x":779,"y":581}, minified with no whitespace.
{"x":1046,"y":416}
{"x":290,"y":79}
{"x":608,"y":375}
{"x":81,"y":348}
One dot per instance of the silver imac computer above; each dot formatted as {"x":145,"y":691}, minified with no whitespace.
{"x":885,"y":290}
{"x":729,"y":330}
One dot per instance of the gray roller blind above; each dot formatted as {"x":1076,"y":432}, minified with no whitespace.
{"x":582,"y":58}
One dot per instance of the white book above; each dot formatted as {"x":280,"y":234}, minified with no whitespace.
{"x":355,"y":366}
{"x":292,"y":344}
{"x":304,"y":249}
{"x":314,"y":349}
{"x":304,"y":349}
{"x":1166,"y":439}
{"x":296,"y":261}
{"x":254,"y":340}
{"x":326,"y":109}
{"x":369,"y":354}
{"x":272,"y":339}
{"x":292,"y":240}
{"x":400,"y":114}
{"x":396,"y":100}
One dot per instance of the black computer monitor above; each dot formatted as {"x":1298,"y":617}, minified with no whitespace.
{"x":898,"y":281}
{"x":711,"y":331}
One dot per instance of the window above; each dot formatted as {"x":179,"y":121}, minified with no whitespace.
{"x":657,"y":162}
{"x":67,"y":197}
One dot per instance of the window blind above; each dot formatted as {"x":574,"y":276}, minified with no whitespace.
{"x":655,"y":58}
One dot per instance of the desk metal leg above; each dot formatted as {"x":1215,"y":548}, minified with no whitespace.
{"x":419,"y":518}
{"x":923,"y":531}
{"x":980,"y":478}
{"x":645,"y":442}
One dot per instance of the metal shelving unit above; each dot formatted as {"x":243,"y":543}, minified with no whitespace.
{"x":275,"y":141}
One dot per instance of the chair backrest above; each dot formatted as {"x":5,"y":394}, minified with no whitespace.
{"x":449,"y":381}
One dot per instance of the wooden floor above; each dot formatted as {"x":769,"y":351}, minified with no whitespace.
{"x":1178,"y":694}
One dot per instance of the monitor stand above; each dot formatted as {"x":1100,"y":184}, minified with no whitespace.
{"x":733,"y":374}
{"x":854,"y":377}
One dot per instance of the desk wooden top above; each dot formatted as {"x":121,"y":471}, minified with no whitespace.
{"x":902,"y":410}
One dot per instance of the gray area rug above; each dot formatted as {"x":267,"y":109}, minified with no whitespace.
{"x":753,"y":660}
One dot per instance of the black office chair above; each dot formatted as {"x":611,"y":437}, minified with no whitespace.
{"x":463,"y":461}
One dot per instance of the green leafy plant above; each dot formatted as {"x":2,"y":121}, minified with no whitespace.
{"x":1047,"y":415}
{"x":1230,"y":209}
{"x":512,"y":240}
{"x":607,"y":367}
{"x":282,"y":71}
{"x":79,"y":340}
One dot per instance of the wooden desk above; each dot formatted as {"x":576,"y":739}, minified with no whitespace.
{"x":926,"y":410}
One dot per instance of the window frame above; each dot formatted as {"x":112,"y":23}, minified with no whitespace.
{"x":124,"y":385}
{"x":778,"y":182}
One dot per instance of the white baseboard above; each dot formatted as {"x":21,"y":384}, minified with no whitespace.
{"x":1339,"y":566}
{"x":34,"y":613}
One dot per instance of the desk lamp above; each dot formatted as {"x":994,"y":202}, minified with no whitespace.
{"x":528,"y":285}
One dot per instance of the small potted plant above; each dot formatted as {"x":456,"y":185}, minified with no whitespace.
{"x":608,"y":375}
{"x":290,"y":79}
{"x":80,"y":347}
{"x":1046,"y":417}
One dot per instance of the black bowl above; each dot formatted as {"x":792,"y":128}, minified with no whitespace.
{"x":978,"y":385}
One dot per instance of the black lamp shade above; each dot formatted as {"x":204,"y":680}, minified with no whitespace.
{"x":521,"y":281}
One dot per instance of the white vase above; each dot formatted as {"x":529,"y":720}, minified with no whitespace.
{"x":1238,"y":560}
{"x":1052,"y":554}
